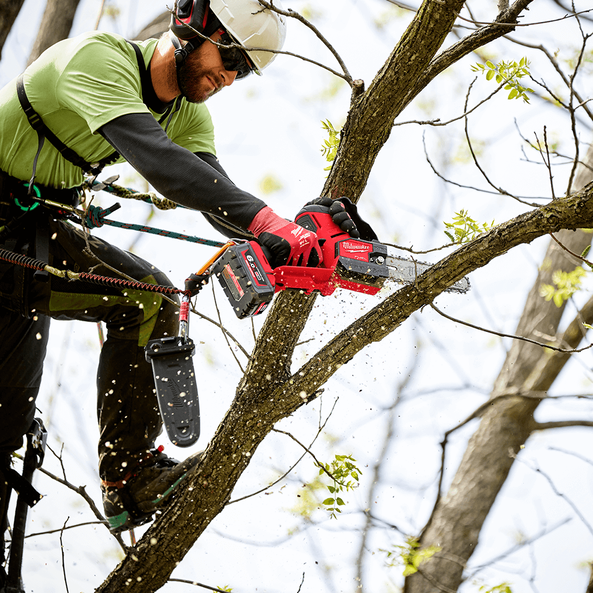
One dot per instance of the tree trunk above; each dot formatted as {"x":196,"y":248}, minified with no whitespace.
{"x":55,"y":25}
{"x":9,"y":10}
{"x":506,"y":425}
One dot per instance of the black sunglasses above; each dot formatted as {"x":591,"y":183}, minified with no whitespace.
{"x":233,"y":58}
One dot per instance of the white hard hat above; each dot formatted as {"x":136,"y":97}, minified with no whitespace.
{"x":246,"y":21}
{"x":252,"y":25}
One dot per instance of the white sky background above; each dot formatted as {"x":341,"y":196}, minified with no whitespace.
{"x":272,"y":126}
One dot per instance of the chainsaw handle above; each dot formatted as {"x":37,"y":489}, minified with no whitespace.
{"x":267,"y":253}
{"x":340,"y":210}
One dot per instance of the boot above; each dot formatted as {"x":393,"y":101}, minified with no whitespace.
{"x":133,"y":500}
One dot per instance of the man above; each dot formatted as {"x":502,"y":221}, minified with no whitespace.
{"x":96,"y":94}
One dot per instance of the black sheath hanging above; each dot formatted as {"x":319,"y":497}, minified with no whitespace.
{"x":176,"y":388}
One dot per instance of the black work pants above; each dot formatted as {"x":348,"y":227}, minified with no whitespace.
{"x":128,"y":415}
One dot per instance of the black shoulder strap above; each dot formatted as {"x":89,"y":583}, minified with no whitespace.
{"x":44,"y":132}
{"x":148,"y":95}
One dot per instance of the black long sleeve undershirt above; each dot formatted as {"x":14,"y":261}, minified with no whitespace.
{"x":196,"y":181}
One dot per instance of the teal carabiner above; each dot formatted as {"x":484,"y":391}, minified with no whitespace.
{"x":34,"y":205}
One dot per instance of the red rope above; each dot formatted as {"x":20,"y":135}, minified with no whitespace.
{"x":34,"y":264}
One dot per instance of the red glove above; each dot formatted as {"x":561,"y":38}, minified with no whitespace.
{"x":287,"y":242}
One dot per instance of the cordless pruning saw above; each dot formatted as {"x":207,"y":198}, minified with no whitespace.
{"x":250,"y":283}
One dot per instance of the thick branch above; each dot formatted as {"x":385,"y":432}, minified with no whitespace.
{"x":502,"y":26}
{"x":370,"y":119}
{"x":409,"y":69}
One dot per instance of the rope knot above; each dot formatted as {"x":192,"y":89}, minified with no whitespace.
{"x":95,"y":215}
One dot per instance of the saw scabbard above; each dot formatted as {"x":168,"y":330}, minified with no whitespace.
{"x":176,"y":387}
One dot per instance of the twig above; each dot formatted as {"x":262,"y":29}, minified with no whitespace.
{"x":301,"y":585}
{"x":439,"y":123}
{"x":197,"y":585}
{"x":100,"y":16}
{"x":295,"y":15}
{"x":572,"y":453}
{"x":434,"y":582}
{"x":561,"y":424}
{"x":590,"y":264}
{"x":559,"y":19}
{"x":319,"y":431}
{"x":514,"y":337}
{"x":479,"y":167}
{"x":49,"y":532}
{"x":224,"y":333}
{"x":556,"y":66}
{"x":63,"y":557}
{"x":317,"y":462}
{"x":546,"y":159}
{"x":222,"y":328}
{"x":516,"y":547}
{"x":477,"y":189}
{"x":81,"y":490}
{"x":571,"y":504}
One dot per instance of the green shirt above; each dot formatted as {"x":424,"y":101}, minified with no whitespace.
{"x":77,"y":86}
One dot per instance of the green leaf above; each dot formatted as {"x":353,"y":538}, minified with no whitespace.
{"x":328,"y":501}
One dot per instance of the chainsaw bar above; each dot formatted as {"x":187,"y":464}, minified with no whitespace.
{"x":405,"y":271}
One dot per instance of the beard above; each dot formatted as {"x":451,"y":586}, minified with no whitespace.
{"x":193,"y":80}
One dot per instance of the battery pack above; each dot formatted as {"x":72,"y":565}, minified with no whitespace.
{"x":246,"y":279}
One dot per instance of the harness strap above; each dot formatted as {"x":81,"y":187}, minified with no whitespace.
{"x":44,"y":132}
{"x":16,"y":482}
{"x":148,"y":95}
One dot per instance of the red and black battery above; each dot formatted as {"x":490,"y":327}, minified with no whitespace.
{"x":246,"y":278}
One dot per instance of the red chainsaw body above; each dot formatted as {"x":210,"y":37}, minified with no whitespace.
{"x":353,"y":264}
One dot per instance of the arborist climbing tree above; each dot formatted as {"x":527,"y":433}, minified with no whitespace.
{"x":85,"y":103}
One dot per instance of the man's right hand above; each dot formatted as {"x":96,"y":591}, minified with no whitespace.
{"x":288,"y":243}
